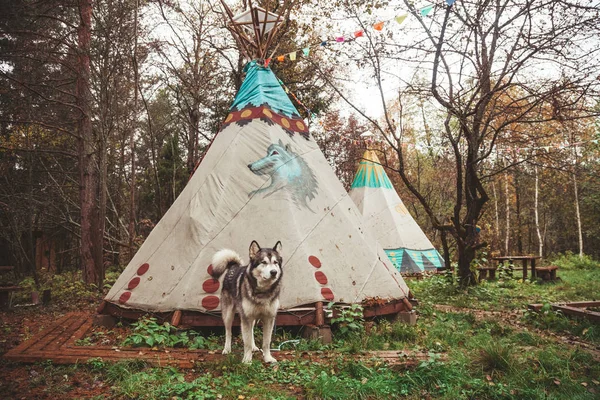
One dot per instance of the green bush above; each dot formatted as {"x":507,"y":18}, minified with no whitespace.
{"x":574,"y":261}
{"x":147,"y":332}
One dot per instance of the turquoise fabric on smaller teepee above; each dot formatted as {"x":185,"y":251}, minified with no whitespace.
{"x":401,"y":237}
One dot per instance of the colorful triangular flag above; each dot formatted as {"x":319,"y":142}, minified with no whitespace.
{"x":293,"y":56}
{"x":450,"y":2}
{"x":306,"y":51}
{"x":358,"y":34}
{"x":339,"y":39}
{"x":400,"y":18}
{"x":267,"y":61}
{"x":378,"y":26}
{"x":426,"y":10}
{"x":280,"y":58}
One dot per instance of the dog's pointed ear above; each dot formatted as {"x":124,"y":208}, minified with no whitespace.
{"x":278,"y":247}
{"x":254,"y":248}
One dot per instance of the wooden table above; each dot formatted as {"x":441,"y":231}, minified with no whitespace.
{"x":526,"y":260}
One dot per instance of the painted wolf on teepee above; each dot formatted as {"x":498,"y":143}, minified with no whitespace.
{"x":263,"y":178}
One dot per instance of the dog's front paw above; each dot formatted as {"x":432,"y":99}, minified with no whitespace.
{"x":226,"y":351}
{"x":247,"y":360}
{"x":270,"y":359}
{"x":255,"y":348}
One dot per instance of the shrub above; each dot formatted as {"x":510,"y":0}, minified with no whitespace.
{"x":495,"y":356}
{"x":574,"y":261}
{"x":147,"y":332}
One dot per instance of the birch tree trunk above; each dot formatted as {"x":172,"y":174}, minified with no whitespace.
{"x":537,"y":213}
{"x":577,"y":214}
{"x":497,"y":227}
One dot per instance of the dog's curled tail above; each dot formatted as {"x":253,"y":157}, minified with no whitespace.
{"x":222,"y":260}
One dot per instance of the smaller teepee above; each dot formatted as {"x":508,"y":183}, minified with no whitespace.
{"x":388,"y":219}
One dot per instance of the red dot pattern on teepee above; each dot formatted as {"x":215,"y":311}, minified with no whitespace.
{"x":125,"y":296}
{"x":210,"y":302}
{"x":210,"y":286}
{"x":321,"y":278}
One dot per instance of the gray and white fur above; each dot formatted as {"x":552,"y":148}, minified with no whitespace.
{"x":252,"y":291}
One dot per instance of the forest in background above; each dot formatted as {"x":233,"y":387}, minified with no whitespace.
{"x":106,"y":107}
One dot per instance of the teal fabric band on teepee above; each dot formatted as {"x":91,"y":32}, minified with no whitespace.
{"x":414,"y":261}
{"x":261,"y":88}
{"x":371,"y":174}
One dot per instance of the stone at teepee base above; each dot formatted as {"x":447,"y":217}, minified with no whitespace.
{"x":321,"y":333}
{"x":105,"y":321}
{"x":409,"y":317}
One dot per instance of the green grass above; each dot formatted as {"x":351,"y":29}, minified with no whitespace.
{"x":471,"y":354}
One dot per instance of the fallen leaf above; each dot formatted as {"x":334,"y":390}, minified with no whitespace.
{"x":595,"y":382}
{"x":584,"y":384}
{"x":364,"y":381}
{"x":489,"y":378}
{"x":556,"y":382}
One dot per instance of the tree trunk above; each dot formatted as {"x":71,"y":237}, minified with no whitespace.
{"x":88,"y":184}
{"x":497,"y":216}
{"x":446,"y":249}
{"x":518,"y":213}
{"x":577,"y":214}
{"x":132,"y":208}
{"x":537,"y":213}
{"x":507,"y":233}
{"x":101,"y":222}
{"x":466,"y":255}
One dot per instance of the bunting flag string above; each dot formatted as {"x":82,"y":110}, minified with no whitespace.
{"x":499,"y":148}
{"x":289,"y":92}
{"x":378,"y":26}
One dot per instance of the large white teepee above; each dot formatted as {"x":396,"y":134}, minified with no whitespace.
{"x":389,"y":220}
{"x":263,"y":178}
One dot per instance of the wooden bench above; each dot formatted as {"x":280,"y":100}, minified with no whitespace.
{"x":6,"y":295}
{"x":547,"y":273}
{"x":488,"y":273}
{"x":7,"y":290}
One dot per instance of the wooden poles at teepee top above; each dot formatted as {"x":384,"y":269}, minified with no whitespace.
{"x":254,"y":37}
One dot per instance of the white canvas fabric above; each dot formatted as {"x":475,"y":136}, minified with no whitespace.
{"x":328,"y":255}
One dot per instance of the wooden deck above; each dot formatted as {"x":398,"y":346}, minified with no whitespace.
{"x":57,"y":343}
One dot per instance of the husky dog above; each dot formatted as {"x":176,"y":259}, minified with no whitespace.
{"x":252,"y":291}
{"x":288,"y":171}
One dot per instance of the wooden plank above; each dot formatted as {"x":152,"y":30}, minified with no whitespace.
{"x":387,"y":309}
{"x":182,"y":358}
{"x":79,"y":333}
{"x":578,"y":312}
{"x":72,"y":325}
{"x":535,"y":307}
{"x":10,"y":288}
{"x":284,"y":317}
{"x":39,"y":336}
{"x":582,"y":304}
